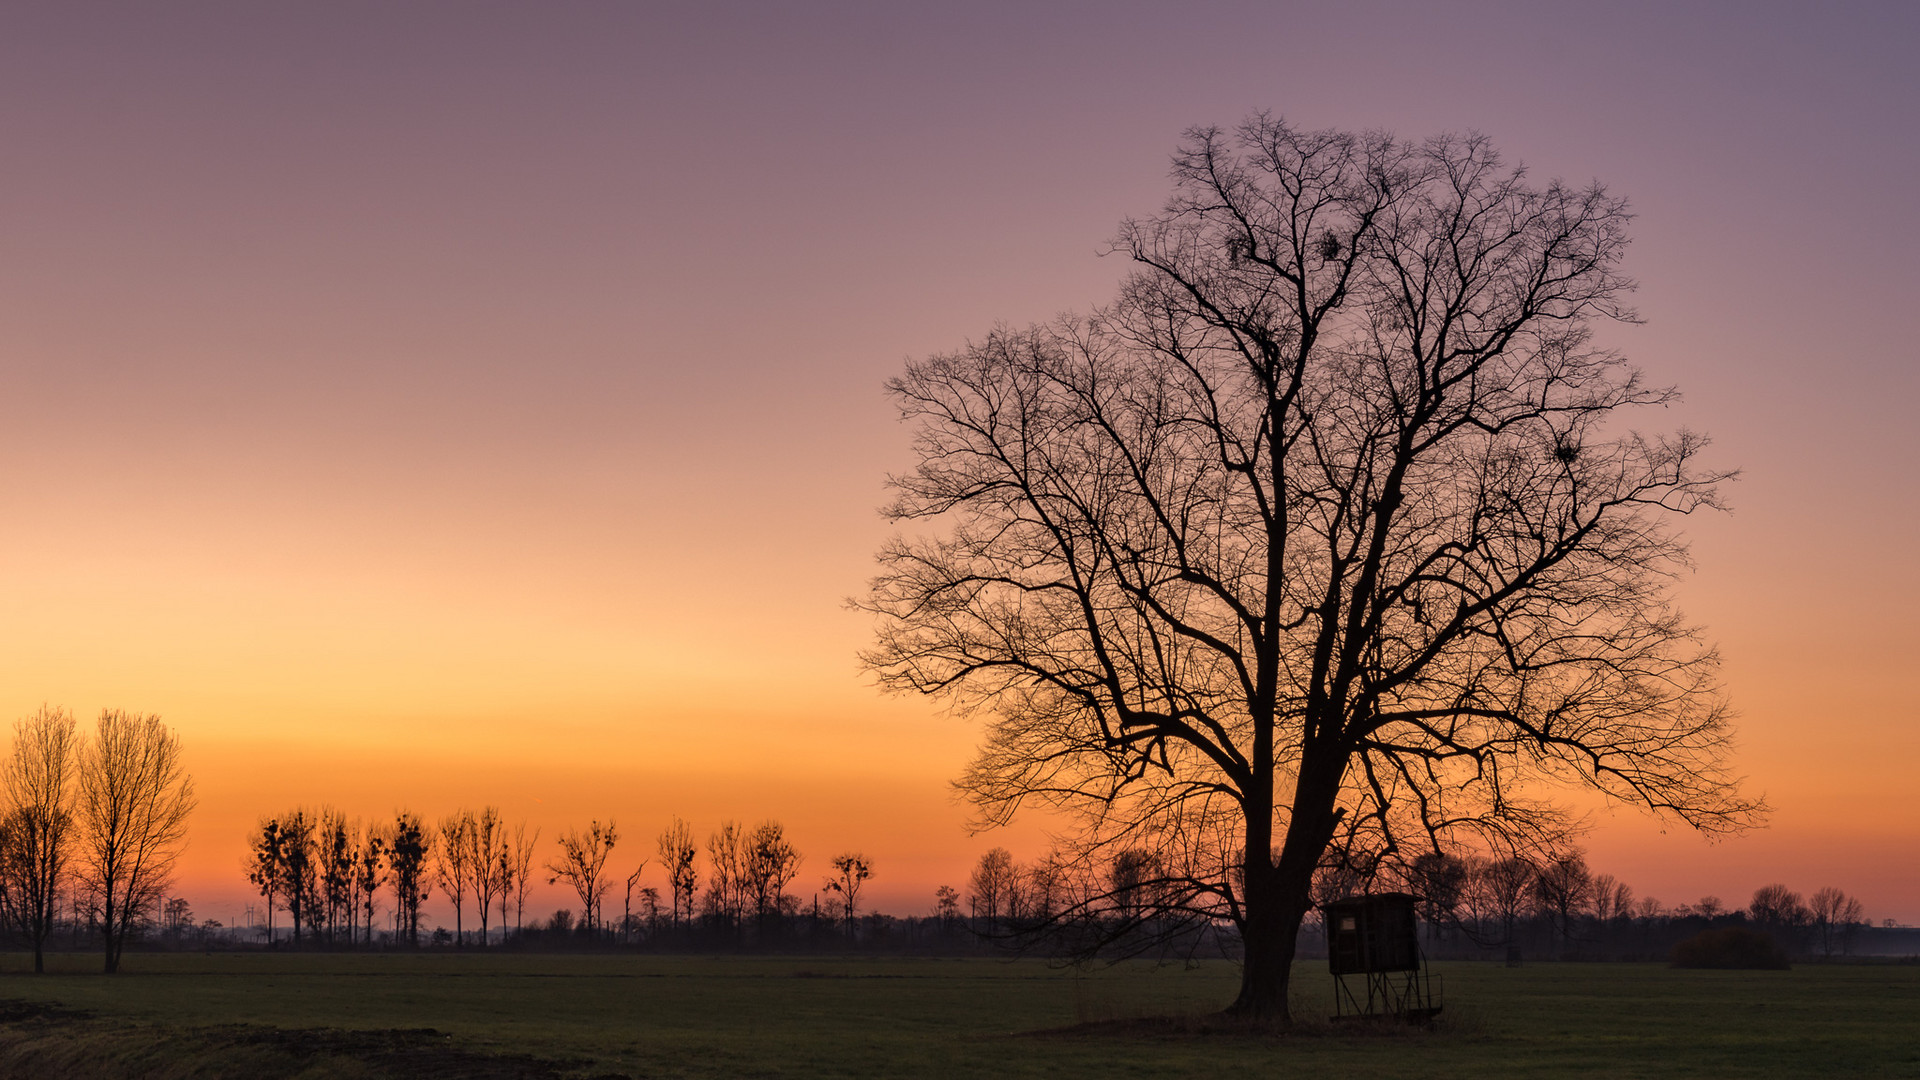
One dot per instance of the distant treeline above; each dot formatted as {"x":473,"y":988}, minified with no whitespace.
{"x":344,"y":883}
{"x":1469,"y":907}
{"x":334,"y":879}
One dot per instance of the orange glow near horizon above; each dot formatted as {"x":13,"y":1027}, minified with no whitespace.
{"x":488,"y":410}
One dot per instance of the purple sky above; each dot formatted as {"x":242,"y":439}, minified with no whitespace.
{"x":574,"y":317}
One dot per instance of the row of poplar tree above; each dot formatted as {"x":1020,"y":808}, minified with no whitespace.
{"x":95,"y":819}
{"x":330,"y":874}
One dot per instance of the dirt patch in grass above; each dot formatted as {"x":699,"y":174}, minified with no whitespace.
{"x":47,"y":1041}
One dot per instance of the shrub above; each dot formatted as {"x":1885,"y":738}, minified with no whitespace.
{"x":1730,"y":947}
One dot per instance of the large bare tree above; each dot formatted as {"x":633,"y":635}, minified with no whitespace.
{"x":1325,"y":543}
{"x":38,"y":786}
{"x":135,"y":796}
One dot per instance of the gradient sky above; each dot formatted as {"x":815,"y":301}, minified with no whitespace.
{"x":437,"y":405}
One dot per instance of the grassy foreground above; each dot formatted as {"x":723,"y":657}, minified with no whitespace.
{"x":550,"y":1016}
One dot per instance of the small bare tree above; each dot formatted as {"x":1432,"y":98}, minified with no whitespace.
{"x":1504,"y":885}
{"x":135,"y":796}
{"x":1562,"y":889}
{"x":771,"y":864}
{"x":850,"y":872}
{"x":946,"y":907}
{"x":582,"y":859}
{"x":627,"y":925}
{"x":266,"y":866}
{"x":678,"y":856}
{"x":39,"y":787}
{"x":369,"y":873}
{"x":727,"y":873}
{"x":299,"y":870}
{"x":990,"y":886}
{"x":521,"y":859}
{"x":409,"y":849}
{"x":491,"y":866}
{"x":453,"y":872}
{"x":335,"y":846}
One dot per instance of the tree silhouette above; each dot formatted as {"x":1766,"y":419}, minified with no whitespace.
{"x":299,"y":877}
{"x":369,"y":873}
{"x":134,"y":798}
{"x":989,"y":885}
{"x":410,"y":846}
{"x":582,"y":858}
{"x":38,"y":786}
{"x":1834,"y":915}
{"x":726,"y":896}
{"x":521,"y":857}
{"x":335,"y":846}
{"x":1322,"y":541}
{"x":627,"y":926}
{"x":946,"y":906}
{"x":1781,"y":912}
{"x":1562,"y":889}
{"x":266,"y":865}
{"x":453,"y":869}
{"x":850,"y":872}
{"x":771,"y":864}
{"x":677,"y":856}
{"x":491,"y":864}
{"x":1439,"y":880}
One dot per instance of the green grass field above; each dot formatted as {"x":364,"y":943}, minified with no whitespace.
{"x":175,"y":1015}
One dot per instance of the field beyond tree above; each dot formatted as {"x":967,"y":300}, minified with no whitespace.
{"x":527,"y":1015}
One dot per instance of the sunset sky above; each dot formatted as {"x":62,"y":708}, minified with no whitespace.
{"x":436,"y":405}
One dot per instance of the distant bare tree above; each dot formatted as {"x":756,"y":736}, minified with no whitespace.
{"x":946,"y":906}
{"x":299,"y":870}
{"x":1506,"y":884}
{"x":1781,"y":912}
{"x":1562,"y":889}
{"x":453,"y":869}
{"x":1779,"y":909}
{"x":335,"y":845}
{"x":410,"y":847}
{"x":491,"y":865}
{"x":1132,"y":878}
{"x":1832,"y":911}
{"x":39,"y":788}
{"x":1439,"y":879}
{"x":135,"y":796}
{"x":989,"y":885}
{"x":1612,"y":899}
{"x":850,"y":872}
{"x":677,"y":856}
{"x":582,"y":858}
{"x":1047,"y":887}
{"x":771,"y":865}
{"x":369,"y":873}
{"x":726,"y":896}
{"x":627,"y":926}
{"x":521,"y":858}
{"x":176,"y":917}
{"x":266,"y":865}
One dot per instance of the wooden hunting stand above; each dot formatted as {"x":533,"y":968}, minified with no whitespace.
{"x":1374,"y":942}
